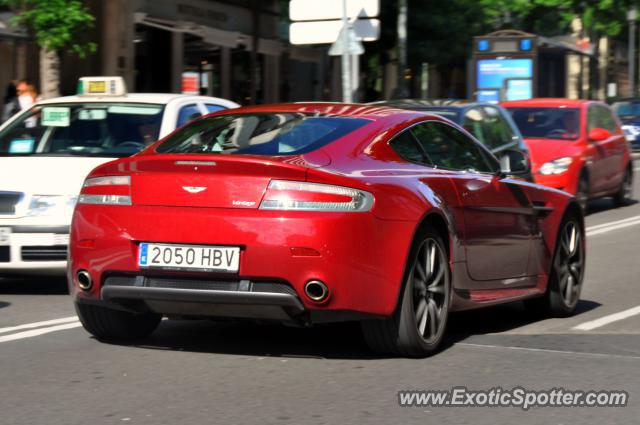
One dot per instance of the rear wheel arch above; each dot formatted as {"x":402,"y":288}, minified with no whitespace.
{"x":585,"y":174}
{"x":435,"y":220}
{"x":572,"y":210}
{"x":440,"y":224}
{"x":552,"y":302}
{"x":402,"y":333}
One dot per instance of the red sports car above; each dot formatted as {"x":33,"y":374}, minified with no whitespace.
{"x":576,"y":146}
{"x":311,"y":213}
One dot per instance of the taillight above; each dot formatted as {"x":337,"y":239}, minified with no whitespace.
{"x":107,"y":190}
{"x":303,"y":196}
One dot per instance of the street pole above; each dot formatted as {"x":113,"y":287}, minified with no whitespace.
{"x":401,"y":90}
{"x":347,"y":92}
{"x":631,"y":17}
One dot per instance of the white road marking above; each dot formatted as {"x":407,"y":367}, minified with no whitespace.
{"x":38,"y":332}
{"x":593,"y":324}
{"x":543,"y":350}
{"x":614,"y":225}
{"x":39,"y":324}
{"x":611,"y":223}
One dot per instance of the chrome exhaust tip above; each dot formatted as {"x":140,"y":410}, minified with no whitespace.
{"x":316,"y":290}
{"x":84,"y":280}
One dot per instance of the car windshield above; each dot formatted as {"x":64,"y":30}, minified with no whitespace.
{"x":627,"y":110}
{"x":282,"y":133}
{"x":547,"y":123}
{"x":83,"y":129}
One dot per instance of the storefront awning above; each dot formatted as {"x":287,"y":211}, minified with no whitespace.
{"x":223,"y":38}
{"x":215,"y":36}
{"x":8,"y":31}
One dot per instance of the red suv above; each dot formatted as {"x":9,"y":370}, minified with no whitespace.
{"x":576,"y":146}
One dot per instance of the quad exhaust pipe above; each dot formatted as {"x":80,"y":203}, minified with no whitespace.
{"x":84,"y":280}
{"x":316,"y":290}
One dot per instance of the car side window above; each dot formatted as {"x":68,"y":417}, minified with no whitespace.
{"x":405,"y":145}
{"x":473,"y":123}
{"x":188,"y":113}
{"x":599,"y":116}
{"x":447,"y":147}
{"x":498,"y":132}
{"x":607,"y":119}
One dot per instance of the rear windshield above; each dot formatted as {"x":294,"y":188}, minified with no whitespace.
{"x":89,"y":129}
{"x":287,"y":133}
{"x":547,"y":123}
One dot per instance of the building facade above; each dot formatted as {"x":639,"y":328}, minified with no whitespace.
{"x":230,"y":49}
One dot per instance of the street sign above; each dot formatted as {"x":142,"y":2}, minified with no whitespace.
{"x":347,"y":45}
{"x":309,"y":10}
{"x":326,"y":32}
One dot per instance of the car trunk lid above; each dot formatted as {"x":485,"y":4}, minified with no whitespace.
{"x":221,"y":181}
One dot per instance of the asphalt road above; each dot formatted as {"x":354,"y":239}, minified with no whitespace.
{"x":199,"y":372}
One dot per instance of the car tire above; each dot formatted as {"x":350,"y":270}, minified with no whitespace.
{"x":417,"y":327}
{"x":625,"y":192}
{"x":110,"y":324}
{"x":582,"y":192}
{"x":566,"y":275}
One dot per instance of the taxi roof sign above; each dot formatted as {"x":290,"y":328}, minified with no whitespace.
{"x":101,"y":86}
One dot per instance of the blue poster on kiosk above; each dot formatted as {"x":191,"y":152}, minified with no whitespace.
{"x":513,"y":77}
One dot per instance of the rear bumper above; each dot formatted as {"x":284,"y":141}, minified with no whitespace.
{"x":217,"y":303}
{"x":359,"y":257}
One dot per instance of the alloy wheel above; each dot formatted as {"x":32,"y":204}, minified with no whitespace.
{"x":570,"y":263}
{"x":430,"y":288}
{"x":627,"y":186}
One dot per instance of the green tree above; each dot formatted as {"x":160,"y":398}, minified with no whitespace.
{"x":440,"y":32}
{"x":58,"y":27}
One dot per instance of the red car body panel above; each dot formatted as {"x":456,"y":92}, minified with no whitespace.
{"x":501,"y":232}
{"x":604,"y":161}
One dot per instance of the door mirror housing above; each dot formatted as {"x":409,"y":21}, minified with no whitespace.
{"x":598,"y":134}
{"x":514,"y":162}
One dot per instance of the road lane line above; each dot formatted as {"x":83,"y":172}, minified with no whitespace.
{"x":38,"y":332}
{"x":39,"y":324}
{"x":612,"y":223}
{"x":605,"y":320}
{"x":544,"y":350}
{"x":611,"y":228}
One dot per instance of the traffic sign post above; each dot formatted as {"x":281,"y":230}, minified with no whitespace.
{"x":347,"y":92}
{"x":317,"y":23}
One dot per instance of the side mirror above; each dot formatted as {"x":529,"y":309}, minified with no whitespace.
{"x":599,"y":134}
{"x":514,"y":162}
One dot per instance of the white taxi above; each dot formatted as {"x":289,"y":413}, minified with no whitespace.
{"x":46,"y":152}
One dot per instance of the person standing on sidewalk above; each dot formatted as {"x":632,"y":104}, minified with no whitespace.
{"x":10,"y":104}
{"x":25,"y":95}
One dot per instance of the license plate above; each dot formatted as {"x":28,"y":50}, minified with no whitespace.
{"x":5,"y":235}
{"x":189,"y":257}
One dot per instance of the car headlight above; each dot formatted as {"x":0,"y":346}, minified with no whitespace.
{"x":557,"y":166}
{"x":48,"y":205}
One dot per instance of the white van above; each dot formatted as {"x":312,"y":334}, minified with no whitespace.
{"x":46,"y":152}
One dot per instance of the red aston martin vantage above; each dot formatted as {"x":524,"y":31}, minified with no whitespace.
{"x":309,"y":213}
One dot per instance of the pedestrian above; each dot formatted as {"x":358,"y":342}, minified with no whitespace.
{"x":25,"y":95}
{"x":10,"y":105}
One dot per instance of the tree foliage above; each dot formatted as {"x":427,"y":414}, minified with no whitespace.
{"x":57,"y":25}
